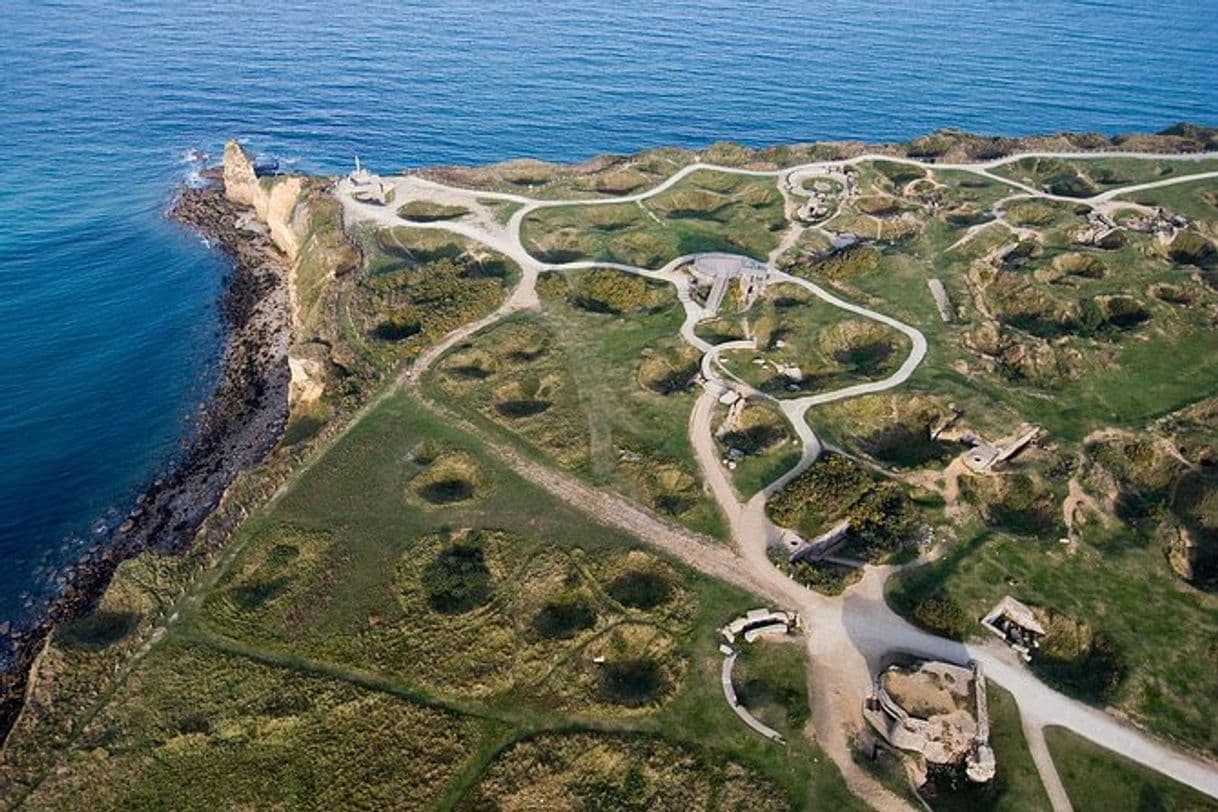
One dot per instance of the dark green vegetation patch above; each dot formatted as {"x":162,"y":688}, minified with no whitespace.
{"x":881,"y":516}
{"x":458,"y":580}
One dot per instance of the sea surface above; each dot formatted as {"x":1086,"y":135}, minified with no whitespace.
{"x":109,"y":328}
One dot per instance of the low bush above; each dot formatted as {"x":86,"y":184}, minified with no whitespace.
{"x":939,"y":613}
{"x":458,"y":580}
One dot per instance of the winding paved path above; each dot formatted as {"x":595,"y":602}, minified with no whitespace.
{"x":848,"y":634}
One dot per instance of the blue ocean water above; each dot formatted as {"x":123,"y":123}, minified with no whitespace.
{"x":108,"y":319}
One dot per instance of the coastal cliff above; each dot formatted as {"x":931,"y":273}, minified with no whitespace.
{"x":275,"y":199}
{"x":303,"y":224}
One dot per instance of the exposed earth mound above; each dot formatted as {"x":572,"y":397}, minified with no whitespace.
{"x":449,"y":477}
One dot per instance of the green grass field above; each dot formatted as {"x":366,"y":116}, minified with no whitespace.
{"x":336,"y":622}
{"x":615,"y":388}
{"x":1098,"y":781}
{"x":409,"y":624}
{"x":706,"y":211}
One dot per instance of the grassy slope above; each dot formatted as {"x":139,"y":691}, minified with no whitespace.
{"x":353,"y":497}
{"x":706,"y":211}
{"x":599,"y":355}
{"x":1125,"y":592}
{"x":1098,"y":781}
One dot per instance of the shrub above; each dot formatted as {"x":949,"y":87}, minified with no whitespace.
{"x":458,"y":580}
{"x":855,"y":260}
{"x":939,"y":613}
{"x":1190,"y":248}
{"x":604,"y":290}
{"x":880,"y":514}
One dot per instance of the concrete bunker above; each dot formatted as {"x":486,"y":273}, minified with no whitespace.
{"x":719,"y":270}
{"x":936,"y":711}
{"x":1016,"y":625}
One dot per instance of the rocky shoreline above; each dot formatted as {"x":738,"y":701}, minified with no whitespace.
{"x":242,"y":422}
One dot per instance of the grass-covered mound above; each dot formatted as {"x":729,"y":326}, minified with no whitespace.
{"x":607,"y":290}
{"x":527,"y":397}
{"x":197,"y":729}
{"x":1077,"y":659}
{"x":669,"y":368}
{"x":603,"y":395}
{"x":1191,"y":248}
{"x":894,"y":429}
{"x":1020,"y":503}
{"x":632,"y":668}
{"x":425,"y":211}
{"x":645,"y":586}
{"x":284,"y":564}
{"x":720,"y":330}
{"x":449,"y":476}
{"x":518,"y":376}
{"x":861,"y":346}
{"x":1073,"y":267}
{"x":1060,"y":177}
{"x":882,"y":518}
{"x":607,"y":771}
{"x":669,"y":487}
{"x":841,"y":264}
{"x":1141,"y":468}
{"x":419,"y":284}
{"x":1196,"y":504}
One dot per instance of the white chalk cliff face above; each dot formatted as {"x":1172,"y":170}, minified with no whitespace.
{"x":276,"y":202}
